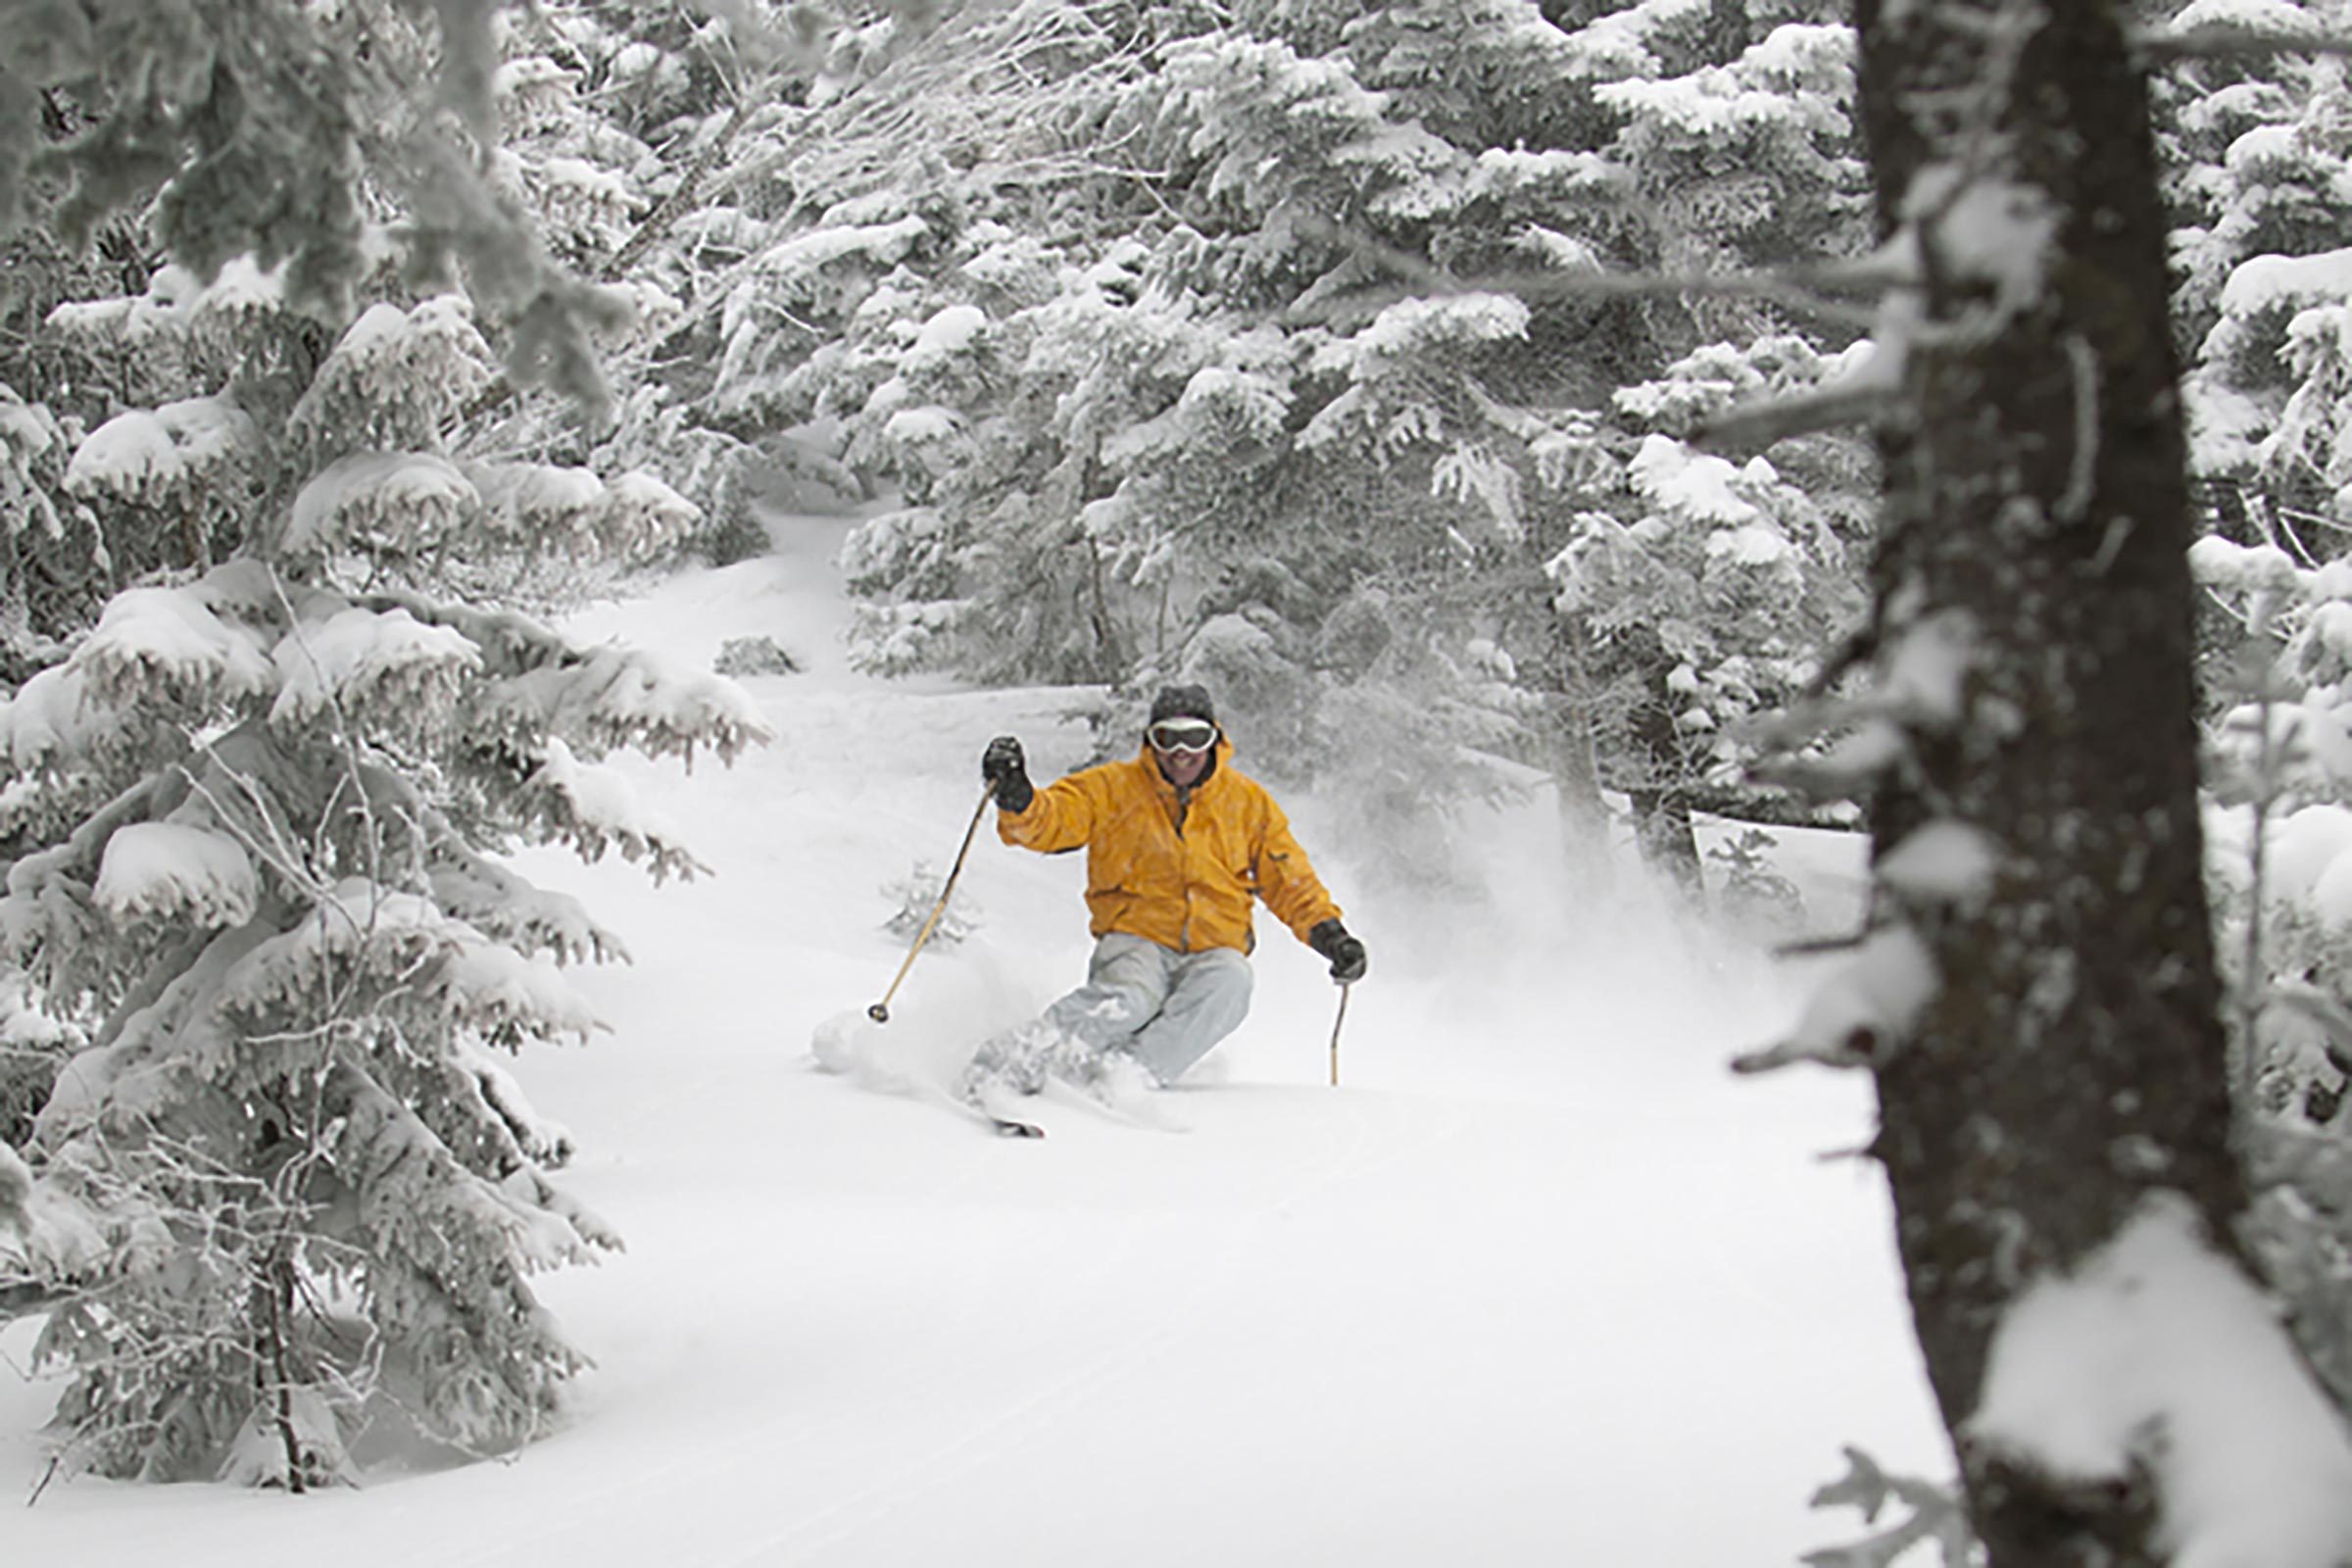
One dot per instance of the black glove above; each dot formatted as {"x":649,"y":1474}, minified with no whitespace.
{"x":1001,"y":765}
{"x":1331,"y":940}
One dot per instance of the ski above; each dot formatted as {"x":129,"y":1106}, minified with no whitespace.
{"x":1001,"y":1126}
{"x":1062,"y":1092}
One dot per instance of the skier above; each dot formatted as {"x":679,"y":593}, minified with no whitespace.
{"x":1177,"y":841}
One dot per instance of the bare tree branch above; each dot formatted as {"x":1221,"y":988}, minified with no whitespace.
{"x":1809,"y":290}
{"x":1751,"y":426}
{"x":2218,"y":43}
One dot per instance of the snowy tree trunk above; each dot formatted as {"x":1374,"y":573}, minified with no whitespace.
{"x":1585,"y":826}
{"x":1559,"y":666}
{"x":2072,"y":1060}
{"x":1662,"y":809}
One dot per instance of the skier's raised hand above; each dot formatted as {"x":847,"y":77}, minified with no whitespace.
{"x":1003,"y":766}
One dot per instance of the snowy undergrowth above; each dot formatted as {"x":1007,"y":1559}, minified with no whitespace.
{"x":1540,"y":1282}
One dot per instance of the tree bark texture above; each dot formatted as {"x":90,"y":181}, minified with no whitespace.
{"x":2037,"y":504}
{"x":1576,"y":764}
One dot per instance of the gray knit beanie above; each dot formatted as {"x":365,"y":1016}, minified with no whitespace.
{"x":1182,"y":702}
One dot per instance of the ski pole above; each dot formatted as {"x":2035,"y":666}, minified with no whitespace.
{"x":880,"y":1010}
{"x":1345,"y":986}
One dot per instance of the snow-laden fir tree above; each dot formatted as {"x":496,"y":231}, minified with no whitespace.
{"x":2260,"y":182}
{"x":1738,"y":144}
{"x":1276,"y":392}
{"x":1042,"y":308}
{"x":1712,"y":591}
{"x":1147,"y":358}
{"x":2258,"y":179}
{"x":260,"y":808}
{"x":814,"y":167}
{"x":2280,"y":820}
{"x":2249,"y":171}
{"x":619,"y":122}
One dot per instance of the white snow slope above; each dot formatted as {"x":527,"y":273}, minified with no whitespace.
{"x":1540,"y":1283}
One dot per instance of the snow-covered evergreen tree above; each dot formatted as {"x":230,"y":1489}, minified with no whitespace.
{"x":859,"y":138}
{"x":2281,"y":817}
{"x":1716,"y":590}
{"x":2258,"y":149}
{"x":259,"y":808}
{"x":1140,"y":350}
{"x":1277,"y":393}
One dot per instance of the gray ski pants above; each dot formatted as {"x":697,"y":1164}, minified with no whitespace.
{"x":1165,"y":1008}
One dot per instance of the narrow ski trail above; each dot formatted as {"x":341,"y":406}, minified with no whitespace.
{"x":1540,"y":1283}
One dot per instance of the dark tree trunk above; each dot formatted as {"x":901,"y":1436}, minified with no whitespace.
{"x":2072,"y":1059}
{"x":1668,"y":842}
{"x":1662,"y":806}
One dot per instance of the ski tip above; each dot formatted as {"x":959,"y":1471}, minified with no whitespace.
{"x":1007,"y":1127}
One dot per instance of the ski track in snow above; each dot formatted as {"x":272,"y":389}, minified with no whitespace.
{"x":1540,"y":1283}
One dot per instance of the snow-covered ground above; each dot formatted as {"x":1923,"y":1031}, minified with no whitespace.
{"x":1540,"y":1283}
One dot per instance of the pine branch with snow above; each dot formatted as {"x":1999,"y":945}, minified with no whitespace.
{"x":413,"y":998}
{"x":286,"y":1173}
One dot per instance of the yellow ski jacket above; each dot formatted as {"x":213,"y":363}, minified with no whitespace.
{"x":1178,"y":874}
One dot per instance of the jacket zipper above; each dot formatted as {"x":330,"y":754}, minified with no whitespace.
{"x":1184,"y":868}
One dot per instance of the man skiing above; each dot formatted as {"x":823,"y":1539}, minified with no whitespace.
{"x":1177,"y":843}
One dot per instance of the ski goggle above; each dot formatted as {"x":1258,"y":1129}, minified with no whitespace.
{"x":1182,"y":735}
